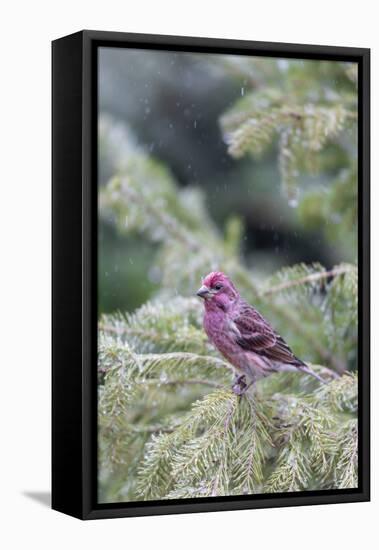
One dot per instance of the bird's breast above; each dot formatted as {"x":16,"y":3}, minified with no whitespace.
{"x":221,"y":333}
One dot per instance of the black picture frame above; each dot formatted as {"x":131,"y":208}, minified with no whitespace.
{"x":74,"y":295}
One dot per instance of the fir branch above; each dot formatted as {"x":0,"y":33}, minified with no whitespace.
{"x":179,"y":382}
{"x":307,"y":279}
{"x":345,"y":470}
{"x":151,"y":360}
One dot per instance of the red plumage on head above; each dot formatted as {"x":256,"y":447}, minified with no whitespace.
{"x":217,"y":277}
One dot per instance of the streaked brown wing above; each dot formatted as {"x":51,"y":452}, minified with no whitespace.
{"x":258,"y":336}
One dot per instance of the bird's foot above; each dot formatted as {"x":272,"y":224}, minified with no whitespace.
{"x":239,"y":386}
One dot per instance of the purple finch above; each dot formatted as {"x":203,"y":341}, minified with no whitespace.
{"x":243,"y":336}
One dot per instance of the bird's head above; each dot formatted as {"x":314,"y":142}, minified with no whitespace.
{"x":217,"y":290}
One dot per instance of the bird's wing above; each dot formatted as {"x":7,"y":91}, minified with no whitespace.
{"x":255,"y":334}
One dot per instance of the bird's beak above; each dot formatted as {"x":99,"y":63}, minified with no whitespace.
{"x":204,"y":292}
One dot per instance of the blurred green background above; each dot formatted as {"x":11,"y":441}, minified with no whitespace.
{"x":171,"y":105}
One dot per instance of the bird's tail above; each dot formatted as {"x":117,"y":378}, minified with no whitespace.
{"x":307,"y":370}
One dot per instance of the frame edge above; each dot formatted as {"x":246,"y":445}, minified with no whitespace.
{"x":67,"y":422}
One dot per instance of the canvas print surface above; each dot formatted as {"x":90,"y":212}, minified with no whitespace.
{"x":227,"y":275}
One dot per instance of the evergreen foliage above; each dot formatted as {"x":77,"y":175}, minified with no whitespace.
{"x":295,"y":106}
{"x":169,"y":424}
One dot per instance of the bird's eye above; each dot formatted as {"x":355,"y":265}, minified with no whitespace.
{"x":217,"y":286}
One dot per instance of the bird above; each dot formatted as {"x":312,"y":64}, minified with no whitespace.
{"x":243,"y":336}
